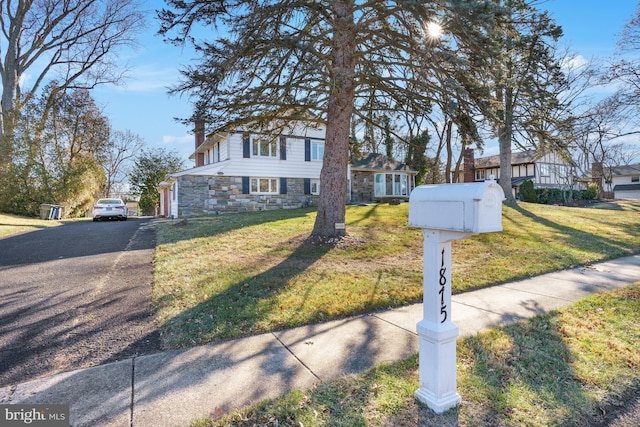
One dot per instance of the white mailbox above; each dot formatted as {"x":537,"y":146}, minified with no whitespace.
{"x":474,"y":207}
{"x":446,"y":212}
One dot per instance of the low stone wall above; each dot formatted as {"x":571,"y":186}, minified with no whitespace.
{"x":211,"y":195}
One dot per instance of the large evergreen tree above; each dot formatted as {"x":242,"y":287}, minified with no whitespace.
{"x":149,"y":169}
{"x":521,"y":74}
{"x":290,"y":59}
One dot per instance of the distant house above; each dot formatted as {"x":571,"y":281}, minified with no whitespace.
{"x":547,"y":170}
{"x":242,"y":171}
{"x":621,"y":181}
{"x":376,"y":177}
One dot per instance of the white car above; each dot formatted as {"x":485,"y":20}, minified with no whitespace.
{"x":110,"y":209}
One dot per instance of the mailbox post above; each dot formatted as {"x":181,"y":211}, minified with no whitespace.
{"x":445,"y":213}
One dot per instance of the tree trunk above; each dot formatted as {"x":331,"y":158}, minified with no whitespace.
{"x":333,"y":176}
{"x":504,"y":140}
{"x":10,"y":76}
{"x":447,"y":169}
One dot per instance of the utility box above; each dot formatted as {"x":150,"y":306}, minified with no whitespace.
{"x":474,"y":207}
{"x":48,"y":211}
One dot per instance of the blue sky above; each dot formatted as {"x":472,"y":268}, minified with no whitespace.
{"x":143,"y":106}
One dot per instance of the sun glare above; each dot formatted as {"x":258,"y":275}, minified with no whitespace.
{"x":434,"y":30}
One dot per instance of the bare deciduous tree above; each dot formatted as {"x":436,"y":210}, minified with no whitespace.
{"x":117,"y":161}
{"x":72,"y":42}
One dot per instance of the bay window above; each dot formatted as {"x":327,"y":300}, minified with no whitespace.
{"x":391,"y":184}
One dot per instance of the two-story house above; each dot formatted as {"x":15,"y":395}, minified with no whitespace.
{"x":622,"y":181}
{"x":548,"y":170}
{"x":242,"y":171}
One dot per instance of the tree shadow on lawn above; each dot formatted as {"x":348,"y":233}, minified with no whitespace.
{"x":211,"y":226}
{"x":522,"y":374}
{"x":579,"y":239}
{"x":238,"y":310}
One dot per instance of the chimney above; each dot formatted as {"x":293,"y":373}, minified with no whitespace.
{"x":469,"y":165}
{"x":199,"y":133}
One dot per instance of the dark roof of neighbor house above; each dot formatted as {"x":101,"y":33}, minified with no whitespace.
{"x":380,"y":162}
{"x":516,"y":182}
{"x":625,"y":170}
{"x":519,"y":158}
{"x":627,"y":187}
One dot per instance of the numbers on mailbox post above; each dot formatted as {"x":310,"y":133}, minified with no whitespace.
{"x":443,"y":284}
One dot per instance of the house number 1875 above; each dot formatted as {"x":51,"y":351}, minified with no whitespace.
{"x":443,"y":283}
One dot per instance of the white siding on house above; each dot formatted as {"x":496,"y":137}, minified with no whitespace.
{"x":293,"y":167}
{"x":622,"y":181}
{"x":552,"y":170}
{"x":224,"y":183}
{"x":617,"y":180}
{"x":627,"y":194}
{"x":518,"y":171}
{"x":173,"y":205}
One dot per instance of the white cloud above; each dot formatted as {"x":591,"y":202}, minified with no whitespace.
{"x":150,"y":79}
{"x":574,"y":62}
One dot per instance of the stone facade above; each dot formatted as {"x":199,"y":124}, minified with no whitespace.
{"x":210,"y":195}
{"x":362,"y":187}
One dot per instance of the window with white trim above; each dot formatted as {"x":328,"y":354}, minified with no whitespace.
{"x":264,"y":146}
{"x":264,"y":186}
{"x":391,"y":184}
{"x":317,"y":150}
{"x":563,"y":171}
{"x":544,"y":169}
{"x":635,"y":178}
{"x":315,"y":186}
{"x":480,"y":174}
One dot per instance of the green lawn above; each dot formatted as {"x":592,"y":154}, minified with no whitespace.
{"x":566,"y":368}
{"x":13,"y":224}
{"x":235,"y":275}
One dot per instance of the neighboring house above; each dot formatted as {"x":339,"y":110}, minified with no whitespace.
{"x":377,"y":177}
{"x":245,"y":171}
{"x":622,"y":181}
{"x":546,"y":170}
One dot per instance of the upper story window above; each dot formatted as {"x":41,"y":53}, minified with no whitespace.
{"x":313,"y":149}
{"x":264,"y":146}
{"x":317,"y":150}
{"x":544,"y":169}
{"x":563,"y":171}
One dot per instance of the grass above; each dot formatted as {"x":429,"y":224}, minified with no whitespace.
{"x":13,"y":224}
{"x":566,"y":368}
{"x":236,"y":275}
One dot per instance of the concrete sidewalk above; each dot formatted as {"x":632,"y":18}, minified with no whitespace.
{"x":173,"y":388}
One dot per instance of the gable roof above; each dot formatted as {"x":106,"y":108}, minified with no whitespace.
{"x":519,"y":158}
{"x":379,"y":162}
{"x":625,"y":170}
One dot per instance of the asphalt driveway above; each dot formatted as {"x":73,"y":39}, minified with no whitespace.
{"x":74,"y":296}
